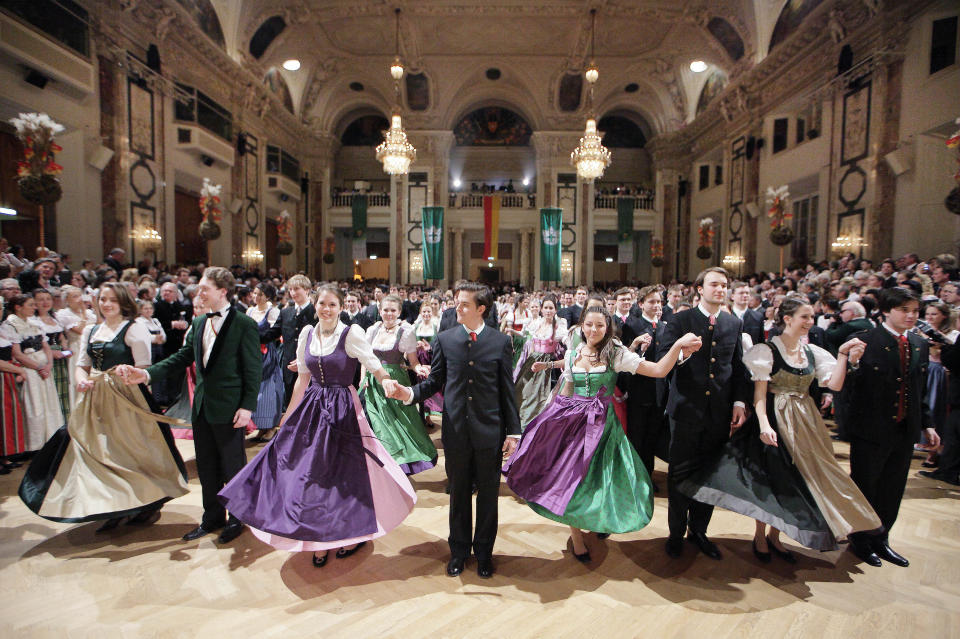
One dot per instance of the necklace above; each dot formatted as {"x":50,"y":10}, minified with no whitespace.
{"x":326,"y":333}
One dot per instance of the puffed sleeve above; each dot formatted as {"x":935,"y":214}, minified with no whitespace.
{"x":625,"y":360}
{"x":823,"y":363}
{"x":138,"y":338}
{"x":357,"y":346}
{"x":759,"y":361}
{"x":67,"y":318}
{"x":273,"y":315}
{"x":408,"y":340}
{"x":560,"y":332}
{"x":9,"y":332}
{"x":302,"y":348}
{"x":83,"y":359}
{"x":371,"y":330}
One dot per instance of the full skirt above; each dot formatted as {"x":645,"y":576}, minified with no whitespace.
{"x":324,"y":481}
{"x":574,"y":465}
{"x":532,"y":390}
{"x":110,"y":460}
{"x":13,"y":440}
{"x":41,"y":405}
{"x":399,"y":427}
{"x":270,"y":397}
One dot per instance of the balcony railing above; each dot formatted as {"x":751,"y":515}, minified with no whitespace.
{"x":373,"y":199}
{"x":641,"y":202}
{"x":507,"y":200}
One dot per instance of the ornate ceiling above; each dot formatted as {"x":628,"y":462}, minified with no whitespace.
{"x":533,"y":43}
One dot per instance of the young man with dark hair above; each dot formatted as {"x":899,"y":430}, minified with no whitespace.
{"x":473,"y":367}
{"x":291,"y":322}
{"x":707,"y":401}
{"x":888,"y":411}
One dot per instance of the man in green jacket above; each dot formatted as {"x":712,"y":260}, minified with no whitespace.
{"x":853,"y":319}
{"x":225,"y":346}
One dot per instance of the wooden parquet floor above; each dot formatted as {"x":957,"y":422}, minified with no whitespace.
{"x":59,"y":580}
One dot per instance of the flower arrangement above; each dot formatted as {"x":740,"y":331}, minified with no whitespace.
{"x":210,"y":209}
{"x":953,"y":198}
{"x":656,"y":252}
{"x":284,"y":230}
{"x":706,"y":232}
{"x":780,"y":233}
{"x":37,"y":172}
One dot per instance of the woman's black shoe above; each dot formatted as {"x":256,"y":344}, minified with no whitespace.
{"x":320,"y":562}
{"x":930,"y":464}
{"x":343,"y":554}
{"x":764,"y":557}
{"x":4,"y":470}
{"x":109,"y":524}
{"x":784,"y":554}
{"x":602,"y":535}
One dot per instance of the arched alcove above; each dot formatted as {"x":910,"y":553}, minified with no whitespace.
{"x":275,"y":83}
{"x":492,"y":126}
{"x":714,"y":86}
{"x":366,"y":130}
{"x":205,"y":16}
{"x":791,"y":16}
{"x":727,"y":36}
{"x":265,"y":35}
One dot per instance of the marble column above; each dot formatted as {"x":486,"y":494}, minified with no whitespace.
{"x":525,"y":257}
{"x":456,"y":254}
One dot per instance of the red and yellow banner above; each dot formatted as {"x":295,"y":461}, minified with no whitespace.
{"x":491,"y":226}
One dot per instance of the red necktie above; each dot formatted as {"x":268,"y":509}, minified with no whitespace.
{"x":902,"y":395}
{"x":713,"y":320}
{"x":654,"y":325}
{"x":473,"y":336}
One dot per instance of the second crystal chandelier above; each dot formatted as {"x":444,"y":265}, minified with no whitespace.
{"x":395,"y":151}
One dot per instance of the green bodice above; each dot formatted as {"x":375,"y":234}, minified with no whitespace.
{"x":106,"y":355}
{"x":589,"y":384}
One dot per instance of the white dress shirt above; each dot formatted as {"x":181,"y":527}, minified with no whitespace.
{"x":211,"y":329}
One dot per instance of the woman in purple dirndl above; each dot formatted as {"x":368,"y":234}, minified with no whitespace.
{"x":324,"y":481}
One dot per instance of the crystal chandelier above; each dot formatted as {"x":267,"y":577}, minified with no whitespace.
{"x":591,"y":157}
{"x":395,"y":152}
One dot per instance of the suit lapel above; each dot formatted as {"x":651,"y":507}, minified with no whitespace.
{"x":221,"y":337}
{"x":198,"y":342}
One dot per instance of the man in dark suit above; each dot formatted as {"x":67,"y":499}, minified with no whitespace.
{"x":706,"y":402}
{"x":225,"y":346}
{"x":351,"y":313}
{"x":752,"y":320}
{"x":572,"y":313}
{"x":372,"y":311}
{"x":449,"y":319}
{"x":115,"y":259}
{"x":292,"y":320}
{"x":674,"y":295}
{"x":174,"y":317}
{"x":647,"y":429}
{"x":472,"y":365}
{"x":888,"y":393}
{"x":411,"y":308}
{"x":949,"y":469}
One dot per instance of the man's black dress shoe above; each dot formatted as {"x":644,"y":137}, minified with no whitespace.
{"x":198,"y":532}
{"x":933,"y":474}
{"x":784,"y":554}
{"x":674,"y":546}
{"x":883,"y":550}
{"x":706,"y":546}
{"x":230,"y":532}
{"x":485,"y":568}
{"x":864,"y":552}
{"x":343,"y":554}
{"x":455,"y":566}
{"x":764,"y":557}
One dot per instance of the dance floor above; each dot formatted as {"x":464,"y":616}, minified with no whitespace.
{"x":60,"y":580}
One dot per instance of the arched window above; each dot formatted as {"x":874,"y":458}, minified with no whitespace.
{"x":620,"y":132}
{"x":366,"y":130}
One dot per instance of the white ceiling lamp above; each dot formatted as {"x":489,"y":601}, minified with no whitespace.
{"x":698,"y":66}
{"x":5,"y":210}
{"x":292,"y":65}
{"x":591,"y":157}
{"x":395,"y":152}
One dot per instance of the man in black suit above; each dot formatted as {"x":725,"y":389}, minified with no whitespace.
{"x":707,"y":401}
{"x":114,"y":260}
{"x":888,"y":394}
{"x":949,"y":469}
{"x":449,"y":319}
{"x":674,"y":295}
{"x":292,"y":320}
{"x":351,"y":313}
{"x":472,"y":365}
{"x":647,"y":429}
{"x":752,"y":320}
{"x":372,"y":311}
{"x":572,"y":313}
{"x":411,"y":308}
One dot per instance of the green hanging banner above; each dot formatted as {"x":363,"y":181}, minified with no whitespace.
{"x":625,"y":206}
{"x":551,"y":226}
{"x":432,"y":218}
{"x":359,"y":205}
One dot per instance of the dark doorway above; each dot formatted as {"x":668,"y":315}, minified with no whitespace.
{"x":191,"y":248}
{"x":490,"y":275}
{"x":272,"y":258}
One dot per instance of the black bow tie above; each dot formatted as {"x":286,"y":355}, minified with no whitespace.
{"x":217,"y":314}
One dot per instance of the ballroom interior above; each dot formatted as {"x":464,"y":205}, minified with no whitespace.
{"x":702,"y":106}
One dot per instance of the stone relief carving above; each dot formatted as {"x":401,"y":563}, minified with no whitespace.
{"x":835,"y":26}
{"x":164,"y":22}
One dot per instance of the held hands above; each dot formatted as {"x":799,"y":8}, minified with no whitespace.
{"x":509,"y":447}
{"x":131,"y":374}
{"x":642,"y":342}
{"x":179,"y":325}
{"x":853,"y":349}
{"x":44,"y":371}
{"x":394,"y":390}
{"x":423,"y":344}
{"x":423,"y":370}
{"x":767,"y":435}
{"x":292,"y":366}
{"x":689,"y":344}
{"x":739,"y":416}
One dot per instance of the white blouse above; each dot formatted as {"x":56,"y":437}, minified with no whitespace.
{"x":383,"y":340}
{"x":68,"y":319}
{"x":153,"y":327}
{"x":138,"y":338}
{"x":533,"y":328}
{"x":624,"y":361}
{"x":47,"y":329}
{"x":16,"y":329}
{"x":356,"y":346}
{"x":272,"y":313}
{"x":759,"y":361}
{"x":422,"y":329}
